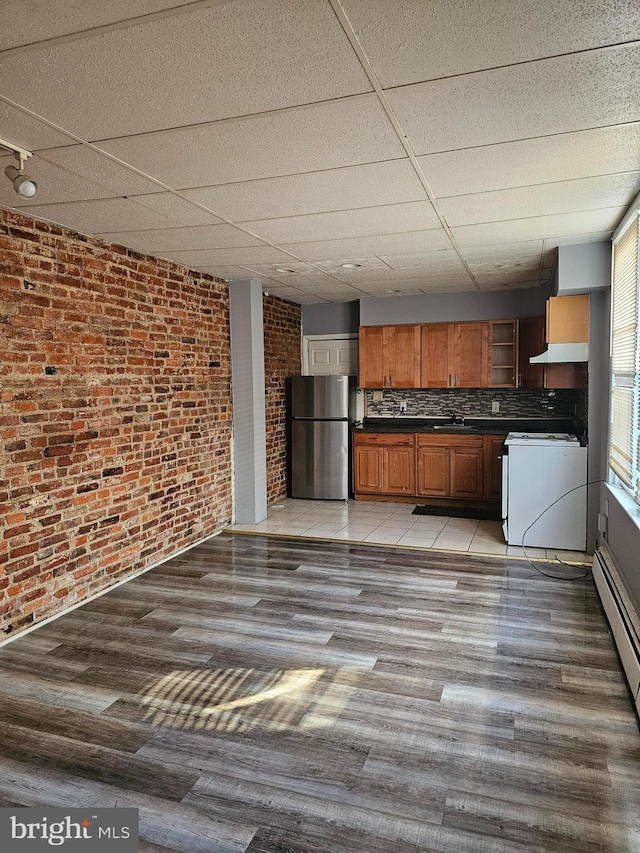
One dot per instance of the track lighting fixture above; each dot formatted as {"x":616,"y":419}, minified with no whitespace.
{"x":23,"y":184}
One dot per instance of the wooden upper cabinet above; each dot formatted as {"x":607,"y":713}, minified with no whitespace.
{"x":436,"y":353}
{"x":567,"y":319}
{"x":402,"y":357}
{"x":390,"y":356}
{"x":562,"y":324}
{"x":531,"y":342}
{"x":471,"y":355}
{"x":371,"y":371}
{"x":503,"y":353}
{"x":454,"y":355}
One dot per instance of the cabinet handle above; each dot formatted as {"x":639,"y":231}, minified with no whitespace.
{"x":449,"y":380}
{"x":390,"y":381}
{"x":384,"y":382}
{"x":456,"y":380}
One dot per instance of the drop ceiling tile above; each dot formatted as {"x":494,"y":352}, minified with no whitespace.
{"x":308,"y":298}
{"x":336,"y":267}
{"x":417,"y":278}
{"x":580,"y":154}
{"x":495,"y":278}
{"x":551,"y":96}
{"x":500,"y":267}
{"x":368,"y":185}
{"x":460,"y":286}
{"x":528,"y":250}
{"x":52,"y":20}
{"x":411,"y":260}
{"x":364,"y":222}
{"x":27,"y":131}
{"x":226,"y":60}
{"x":242,"y":256}
{"x":176,"y":210}
{"x":516,"y":285}
{"x":182,"y":239}
{"x":542,"y":199}
{"x":231,"y":271}
{"x":574,"y":239}
{"x":311,"y":283}
{"x":413,"y":40}
{"x":285,"y":272}
{"x":321,"y":136}
{"x":77,"y":173}
{"x":105,"y":215}
{"x":539,"y":227}
{"x":290,"y":294}
{"x":354,"y":247}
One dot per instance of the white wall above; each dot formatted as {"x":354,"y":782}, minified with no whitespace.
{"x":448,"y":307}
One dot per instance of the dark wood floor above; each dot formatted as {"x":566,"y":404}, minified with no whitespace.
{"x":281,"y":696}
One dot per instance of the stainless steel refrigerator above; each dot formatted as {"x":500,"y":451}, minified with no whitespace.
{"x":322,"y":410}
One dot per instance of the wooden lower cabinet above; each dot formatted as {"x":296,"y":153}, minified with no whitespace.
{"x":367,"y":469}
{"x":450,"y":466}
{"x":456,"y":467}
{"x":433,"y":471}
{"x":384,"y":463}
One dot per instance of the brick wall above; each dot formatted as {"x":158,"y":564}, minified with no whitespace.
{"x":282,"y":336}
{"x":115,"y":414}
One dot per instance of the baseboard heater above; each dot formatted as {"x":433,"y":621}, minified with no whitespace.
{"x":622,"y":616}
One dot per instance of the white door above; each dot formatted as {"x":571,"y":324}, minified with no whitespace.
{"x":331,"y":355}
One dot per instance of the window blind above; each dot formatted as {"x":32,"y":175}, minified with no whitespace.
{"x":624,"y":449}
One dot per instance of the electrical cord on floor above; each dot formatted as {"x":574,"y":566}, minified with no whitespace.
{"x":579,"y":577}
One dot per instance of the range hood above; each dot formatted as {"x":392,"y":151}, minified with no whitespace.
{"x":562,"y":353}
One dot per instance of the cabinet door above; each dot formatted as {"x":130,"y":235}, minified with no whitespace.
{"x":531,"y":341}
{"x":402,"y":356}
{"x":371,"y":365}
{"x":398,"y":470}
{"x":567,"y":319}
{"x":367,"y":469}
{"x":471,"y":361}
{"x":465,"y":472}
{"x":503,"y":354}
{"x":436,"y":355}
{"x":493,"y":467}
{"x":433,"y":471}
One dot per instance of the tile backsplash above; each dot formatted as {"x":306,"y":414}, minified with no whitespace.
{"x":470,"y":402}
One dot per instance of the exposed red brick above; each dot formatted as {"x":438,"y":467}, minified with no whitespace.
{"x":80,"y":322}
{"x":282,"y":328}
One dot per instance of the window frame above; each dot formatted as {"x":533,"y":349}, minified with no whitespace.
{"x":625,"y":374}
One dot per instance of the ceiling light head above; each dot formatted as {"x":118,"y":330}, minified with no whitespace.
{"x":350,"y":266}
{"x":23,"y":184}
{"x":284,"y":269}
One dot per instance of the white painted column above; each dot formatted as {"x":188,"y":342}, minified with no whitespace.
{"x":248,"y":396}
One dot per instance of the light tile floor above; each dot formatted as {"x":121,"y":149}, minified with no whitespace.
{"x":392,"y":524}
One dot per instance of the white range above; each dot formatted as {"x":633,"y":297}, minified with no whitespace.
{"x":544,"y":490}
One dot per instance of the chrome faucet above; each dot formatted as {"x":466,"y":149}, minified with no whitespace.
{"x":456,"y":419}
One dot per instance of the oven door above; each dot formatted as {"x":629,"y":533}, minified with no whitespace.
{"x":505,"y":492}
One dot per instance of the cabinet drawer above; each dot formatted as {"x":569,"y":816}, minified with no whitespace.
{"x":448,"y":439}
{"x":383,"y":439}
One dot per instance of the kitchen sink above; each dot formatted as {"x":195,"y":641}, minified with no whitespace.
{"x":455,"y":428}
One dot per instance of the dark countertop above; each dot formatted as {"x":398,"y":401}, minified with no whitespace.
{"x":480,"y":426}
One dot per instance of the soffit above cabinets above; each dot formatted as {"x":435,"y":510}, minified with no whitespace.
{"x":430,"y":147}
